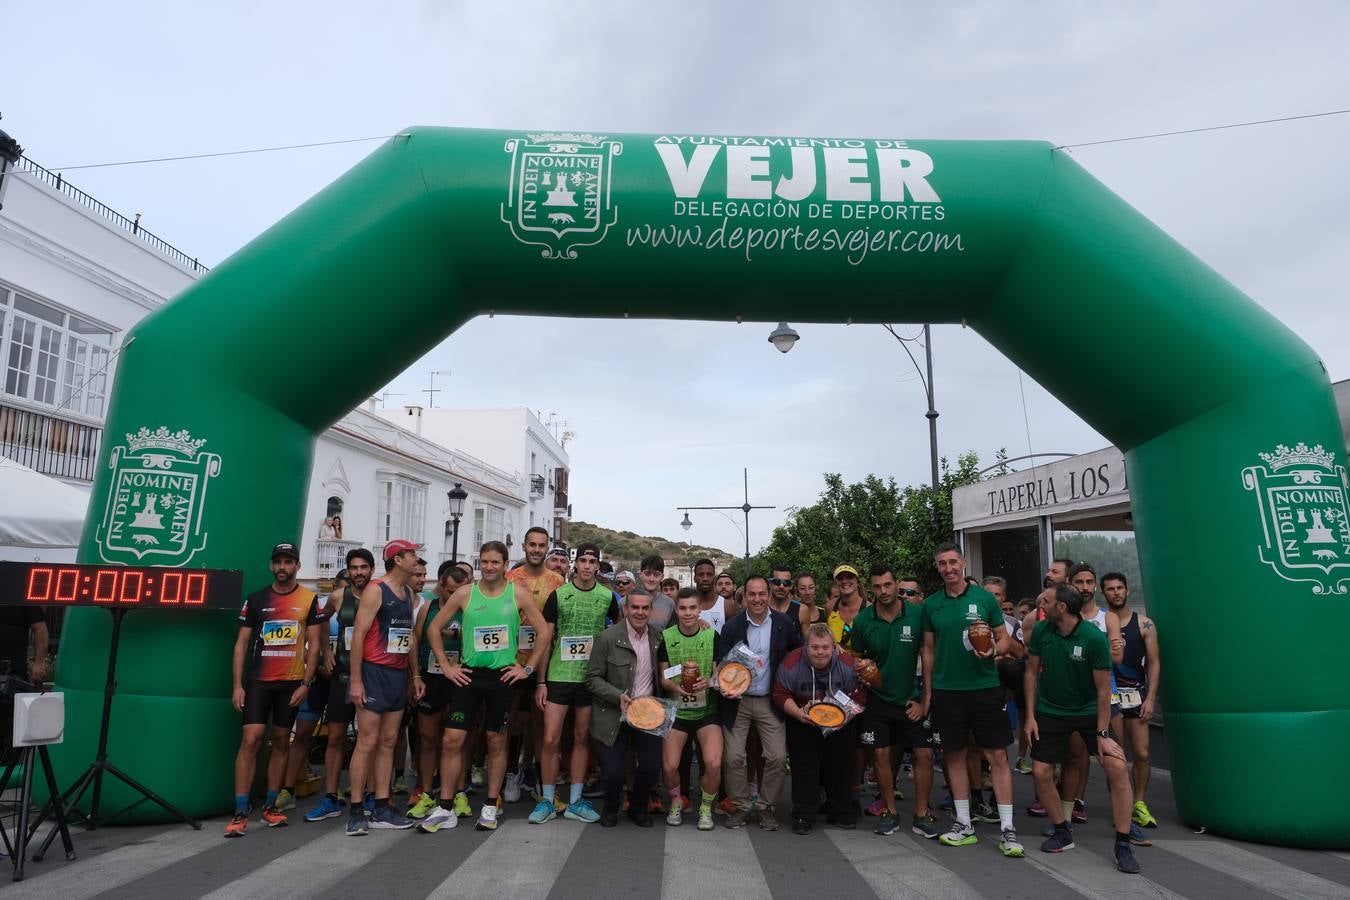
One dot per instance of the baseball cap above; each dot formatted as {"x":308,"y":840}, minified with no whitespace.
{"x":397,"y":546}
{"x":588,"y":550}
{"x":844,"y":569}
{"x":286,"y":548}
{"x":559,"y":551}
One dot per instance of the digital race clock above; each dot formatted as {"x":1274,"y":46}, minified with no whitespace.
{"x":125,"y":587}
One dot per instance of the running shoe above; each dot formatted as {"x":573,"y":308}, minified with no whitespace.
{"x":1037,"y":810}
{"x":477,"y":776}
{"x":1137,"y":836}
{"x":886,"y":824}
{"x":876,"y":808}
{"x":328,"y":808}
{"x":1142,"y":816}
{"x":581,"y":811}
{"x":400,"y":785}
{"x":593,"y":788}
{"x":511,"y":789}
{"x":237,"y":825}
{"x":271,"y":818}
{"x":387,"y":817}
{"x":529,"y":784}
{"x":1125,"y":861}
{"x":368,"y":803}
{"x":285,"y":800}
{"x":925,"y":827}
{"x":1023,"y":766}
{"x":462,"y":807}
{"x":559,"y":804}
{"x":1009,"y":846}
{"x":735,"y":820}
{"x":487,"y":819}
{"x":961,"y":834}
{"x":725,"y":807}
{"x":356,"y":824}
{"x":768,"y":821}
{"x":675,"y":817}
{"x":423,"y":807}
{"x":543,"y":812}
{"x":984,"y":813}
{"x":1058,"y":842}
{"x":438,"y":818}
{"x":705,"y":822}
{"x":1079,"y":816}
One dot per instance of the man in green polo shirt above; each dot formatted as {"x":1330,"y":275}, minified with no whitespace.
{"x":1073,"y":695}
{"x":966,"y":697}
{"x":890,"y":632}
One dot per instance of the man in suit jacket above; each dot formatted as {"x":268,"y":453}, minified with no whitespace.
{"x":770,"y":635}
{"x":622,"y":667}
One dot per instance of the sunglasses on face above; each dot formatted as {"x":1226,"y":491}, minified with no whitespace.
{"x":623,"y":581}
{"x":908,"y":592}
{"x":780,"y":582}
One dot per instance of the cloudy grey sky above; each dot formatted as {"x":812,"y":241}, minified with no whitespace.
{"x":680,"y":408}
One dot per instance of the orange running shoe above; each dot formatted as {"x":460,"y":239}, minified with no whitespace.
{"x":273,"y":819}
{"x":237,"y":825}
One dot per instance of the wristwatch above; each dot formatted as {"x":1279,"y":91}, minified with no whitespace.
{"x":1105,"y":734}
{"x":529,"y":670}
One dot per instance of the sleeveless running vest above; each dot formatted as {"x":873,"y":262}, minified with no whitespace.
{"x":715,"y":616}
{"x":489,"y":630}
{"x":345,"y":621}
{"x":390,"y":636}
{"x":581,"y":616}
{"x":1131,"y":671}
{"x":699,"y":648}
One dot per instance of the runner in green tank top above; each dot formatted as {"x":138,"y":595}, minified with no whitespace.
{"x":576,"y":612}
{"x":438,"y":688}
{"x":691,"y":639}
{"x":483,"y":679}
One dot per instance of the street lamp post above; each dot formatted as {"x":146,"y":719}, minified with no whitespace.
{"x":744,"y":508}
{"x":456,"y":495}
{"x":932,"y":414}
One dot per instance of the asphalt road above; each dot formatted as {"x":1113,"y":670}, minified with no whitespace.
{"x":569,"y":860}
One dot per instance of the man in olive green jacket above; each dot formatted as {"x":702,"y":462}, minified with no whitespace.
{"x":622,"y":667}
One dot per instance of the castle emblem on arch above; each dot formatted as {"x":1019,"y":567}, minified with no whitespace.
{"x":558,"y":196}
{"x":1305,"y":521}
{"x":154,"y":509}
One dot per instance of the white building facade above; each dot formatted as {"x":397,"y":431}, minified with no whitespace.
{"x":512,"y":438}
{"x":75,"y":276}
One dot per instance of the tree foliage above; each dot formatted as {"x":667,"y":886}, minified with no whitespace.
{"x":625,"y":549}
{"x":867,"y":522}
{"x":1106,"y":553}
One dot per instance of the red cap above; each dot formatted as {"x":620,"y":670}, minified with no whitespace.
{"x":395,"y":547}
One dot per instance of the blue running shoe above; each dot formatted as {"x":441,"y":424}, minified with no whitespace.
{"x":581,"y":811}
{"x":328,"y":808}
{"x":543,"y":812}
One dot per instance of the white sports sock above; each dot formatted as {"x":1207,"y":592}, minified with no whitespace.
{"x":1005,"y":822}
{"x":963,"y":811}
{"x":1066,"y":807}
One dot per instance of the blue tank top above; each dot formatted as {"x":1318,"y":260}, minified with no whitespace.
{"x":390,"y":637}
{"x":1131,"y":671}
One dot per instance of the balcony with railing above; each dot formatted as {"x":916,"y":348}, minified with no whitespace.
{"x":537,"y":485}
{"x":48,"y":444}
{"x":331,"y":556}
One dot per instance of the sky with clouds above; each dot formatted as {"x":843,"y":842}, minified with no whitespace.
{"x":677,"y":409}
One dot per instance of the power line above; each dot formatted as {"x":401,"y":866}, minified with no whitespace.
{"x":138,"y":162}
{"x":1161,"y":134}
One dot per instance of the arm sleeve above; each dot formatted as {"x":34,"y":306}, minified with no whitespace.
{"x":551,"y":608}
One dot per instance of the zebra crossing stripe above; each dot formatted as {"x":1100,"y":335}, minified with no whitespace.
{"x":498,"y":861}
{"x":889,"y":865}
{"x":1253,"y":868}
{"x":727,"y":865}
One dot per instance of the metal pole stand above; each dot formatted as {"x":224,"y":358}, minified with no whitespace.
{"x":23,"y":832}
{"x":93,"y":775}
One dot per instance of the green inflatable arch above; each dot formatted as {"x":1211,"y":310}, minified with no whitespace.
{"x":1226,"y":419}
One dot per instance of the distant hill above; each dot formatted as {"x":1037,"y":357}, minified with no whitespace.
{"x":624,"y":549}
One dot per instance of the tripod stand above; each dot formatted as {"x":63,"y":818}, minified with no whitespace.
{"x":68,"y":801}
{"x":22,"y":832}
